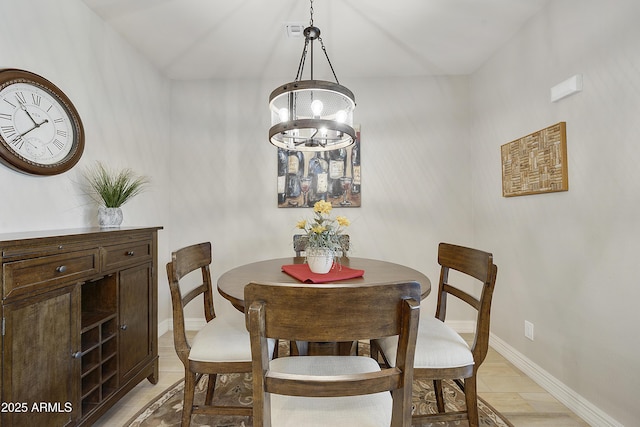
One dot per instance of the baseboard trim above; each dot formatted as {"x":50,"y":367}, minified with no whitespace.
{"x":462,"y":326}
{"x":568,"y":397}
{"x":192,"y":324}
{"x":164,"y":327}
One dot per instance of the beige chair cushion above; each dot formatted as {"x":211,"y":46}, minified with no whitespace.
{"x":363,"y":411}
{"x":437,"y":346}
{"x":224,"y":339}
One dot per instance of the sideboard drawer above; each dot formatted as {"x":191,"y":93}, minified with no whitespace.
{"x":126,"y":254}
{"x":46,"y":273}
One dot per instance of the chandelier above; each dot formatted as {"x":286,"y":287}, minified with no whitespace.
{"x":312,"y":115}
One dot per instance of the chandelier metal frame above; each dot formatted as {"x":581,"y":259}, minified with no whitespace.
{"x":312,"y":115}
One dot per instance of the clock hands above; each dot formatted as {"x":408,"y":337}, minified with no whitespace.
{"x":24,"y":108}
{"x":35,"y":124}
{"x":18,"y":138}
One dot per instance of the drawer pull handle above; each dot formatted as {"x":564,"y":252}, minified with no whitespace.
{"x":77,"y":355}
{"x":130,"y":253}
{"x":124,"y":327}
{"x":61,"y":269}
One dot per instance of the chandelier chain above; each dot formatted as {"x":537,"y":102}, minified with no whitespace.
{"x":328,"y":60}
{"x":302,"y":60}
{"x":311,"y":13}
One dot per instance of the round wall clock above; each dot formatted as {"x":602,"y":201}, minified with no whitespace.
{"x":40,"y":129}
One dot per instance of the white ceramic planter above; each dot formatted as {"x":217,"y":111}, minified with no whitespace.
{"x":320,"y":260}
{"x":109,"y":217}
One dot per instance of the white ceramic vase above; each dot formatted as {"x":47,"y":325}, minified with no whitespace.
{"x":109,"y":217}
{"x":320,"y":260}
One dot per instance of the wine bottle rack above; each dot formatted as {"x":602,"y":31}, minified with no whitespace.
{"x":99,"y":342}
{"x":99,"y":361}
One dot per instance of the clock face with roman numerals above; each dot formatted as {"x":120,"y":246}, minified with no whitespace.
{"x":40,"y":129}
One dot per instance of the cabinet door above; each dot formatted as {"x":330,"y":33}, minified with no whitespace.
{"x":135,"y":316}
{"x":40,"y":374}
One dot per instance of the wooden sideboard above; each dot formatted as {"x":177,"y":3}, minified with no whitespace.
{"x":79,"y":322}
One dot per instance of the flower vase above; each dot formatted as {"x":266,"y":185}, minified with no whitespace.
{"x":109,"y":217}
{"x":320,"y":260}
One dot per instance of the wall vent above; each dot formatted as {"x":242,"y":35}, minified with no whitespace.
{"x":294,"y":30}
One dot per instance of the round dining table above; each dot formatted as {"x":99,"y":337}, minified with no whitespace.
{"x":231,"y":284}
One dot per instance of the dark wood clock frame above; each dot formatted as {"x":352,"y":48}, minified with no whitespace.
{"x":17,"y":162}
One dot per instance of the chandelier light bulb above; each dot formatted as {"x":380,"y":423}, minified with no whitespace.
{"x":341,"y":116}
{"x":316,"y":108}
{"x":283,"y":113}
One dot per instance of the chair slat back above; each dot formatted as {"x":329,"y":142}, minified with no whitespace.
{"x":300,"y":242}
{"x":477,"y":264}
{"x":331,"y":312}
{"x":190,"y":258}
{"x":469,"y":261}
{"x":184,"y":261}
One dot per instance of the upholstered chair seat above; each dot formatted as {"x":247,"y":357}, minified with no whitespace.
{"x":373,"y":410}
{"x":229,"y":329}
{"x":437,"y":346}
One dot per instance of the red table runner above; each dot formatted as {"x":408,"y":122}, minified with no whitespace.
{"x":337,"y":272}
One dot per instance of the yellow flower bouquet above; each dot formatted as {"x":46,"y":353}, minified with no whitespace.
{"x":324,"y":231}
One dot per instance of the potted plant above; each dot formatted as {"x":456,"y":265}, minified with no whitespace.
{"x":324,"y":234}
{"x":112,"y":189}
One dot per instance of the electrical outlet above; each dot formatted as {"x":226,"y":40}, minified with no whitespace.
{"x":528,"y":329}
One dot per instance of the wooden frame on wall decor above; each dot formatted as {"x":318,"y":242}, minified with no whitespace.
{"x":536,"y":163}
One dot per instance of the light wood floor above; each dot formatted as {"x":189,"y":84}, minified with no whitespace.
{"x":507,"y":389}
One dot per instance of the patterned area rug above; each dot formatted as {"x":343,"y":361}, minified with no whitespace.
{"x":166,"y":409}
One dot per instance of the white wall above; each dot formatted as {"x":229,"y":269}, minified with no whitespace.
{"x":567,"y":261}
{"x":122,"y":101}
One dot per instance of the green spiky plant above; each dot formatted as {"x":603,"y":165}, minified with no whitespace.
{"x":113,"y":189}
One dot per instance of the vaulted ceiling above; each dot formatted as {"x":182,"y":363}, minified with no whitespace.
{"x":205,"y":39}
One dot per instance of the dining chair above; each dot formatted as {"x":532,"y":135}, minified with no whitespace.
{"x":441,"y":353}
{"x":331,"y":390}
{"x":222,"y":346}
{"x":300,"y":242}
